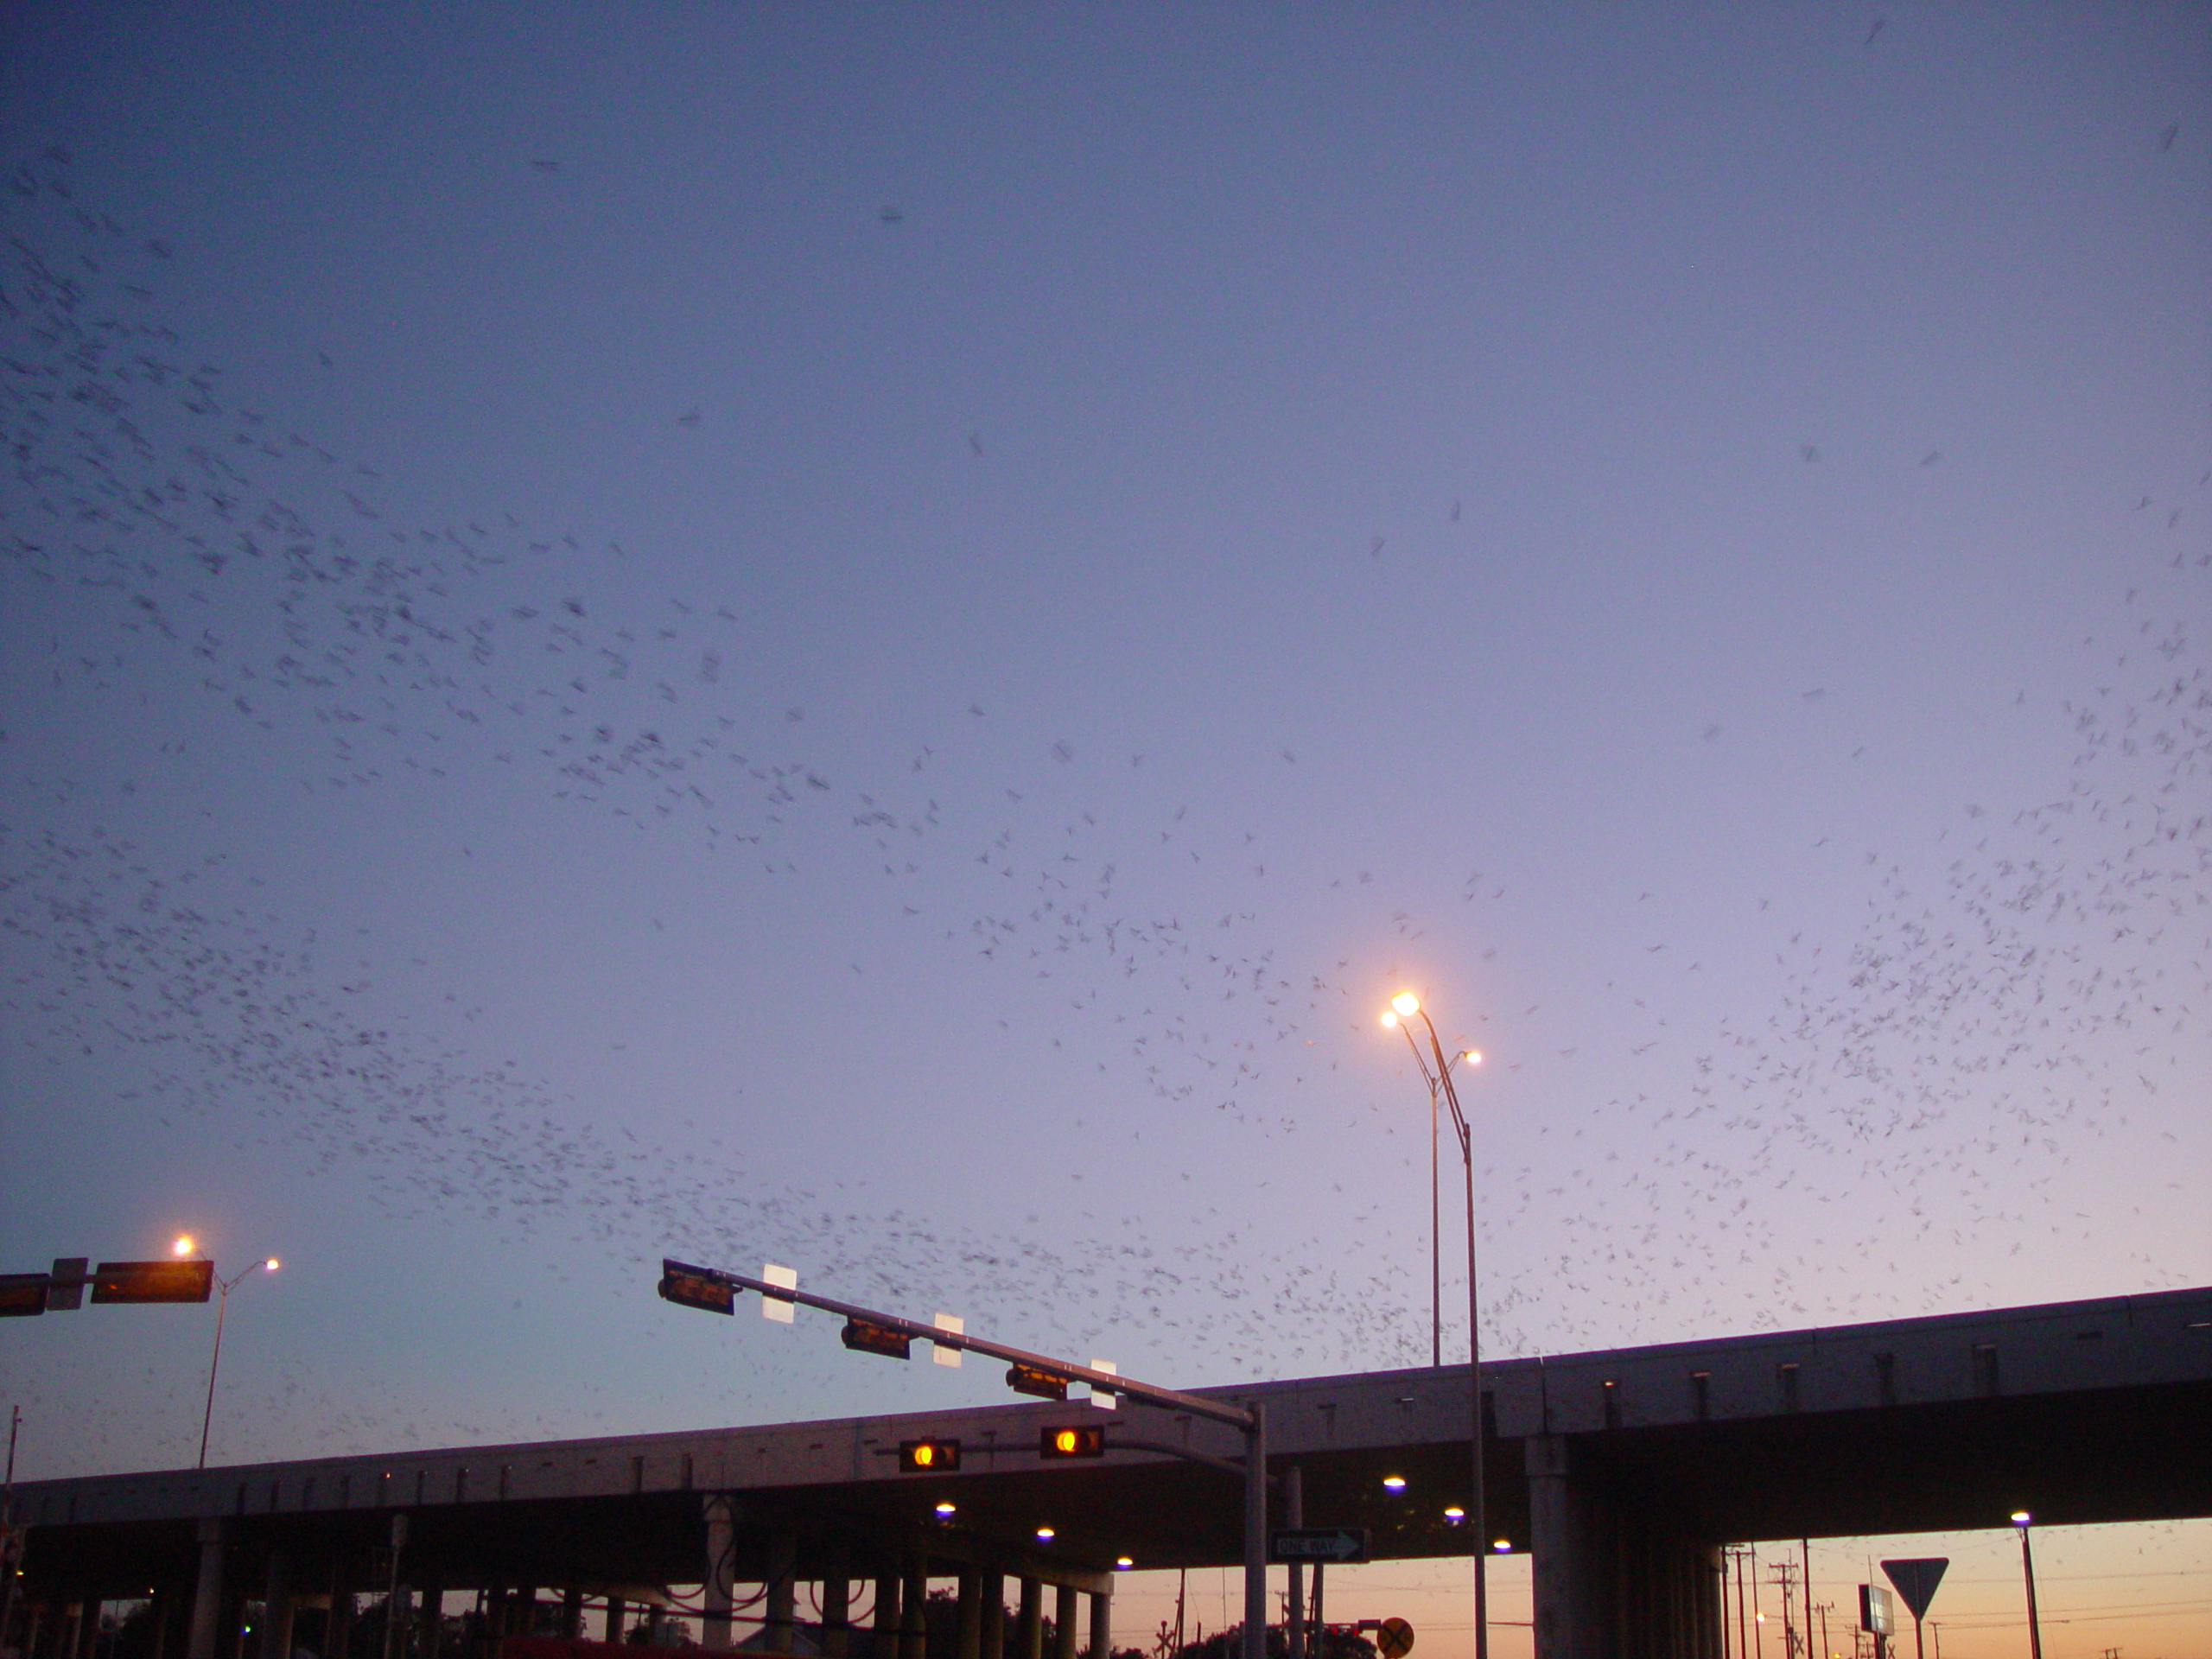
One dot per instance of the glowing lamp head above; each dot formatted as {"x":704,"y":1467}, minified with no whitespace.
{"x":1045,"y":1534}
{"x":1122,"y":1563}
{"x":183,"y":1245}
{"x":2021,"y":1518}
{"x":272,"y":1264}
{"x":1394,"y":1482}
{"x":1503,"y":1546}
{"x":1455,"y":1514}
{"x":1405,"y":1004}
{"x":1389,"y":1021}
{"x":947,"y":1508}
{"x":1472,"y":1057}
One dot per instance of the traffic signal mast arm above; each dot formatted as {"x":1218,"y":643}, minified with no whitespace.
{"x":1102,"y":1381}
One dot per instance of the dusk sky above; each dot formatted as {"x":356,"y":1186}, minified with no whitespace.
{"x":870,"y":638}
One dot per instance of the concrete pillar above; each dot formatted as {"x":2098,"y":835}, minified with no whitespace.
{"x":523,"y":1612}
{"x":1029,"y":1640}
{"x":991,"y":1637}
{"x":1064,"y":1622}
{"x":207,"y":1592}
{"x":837,"y":1603}
{"x":971,"y":1643}
{"x":780,"y":1593}
{"x":656,"y":1616}
{"x":88,"y":1630}
{"x":883,"y":1635}
{"x":158,"y":1643}
{"x":1568,"y":1626}
{"x":572,"y":1612}
{"x":276,"y":1609}
{"x":1294,"y":1504}
{"x":913,"y":1614}
{"x":720,"y":1577}
{"x":430,"y":1622}
{"x":1102,"y":1625}
{"x":338,"y":1621}
{"x":612,"y":1634}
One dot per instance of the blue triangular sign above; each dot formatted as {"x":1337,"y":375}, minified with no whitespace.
{"x":1917,"y":1580}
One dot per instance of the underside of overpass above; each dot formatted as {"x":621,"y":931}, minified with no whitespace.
{"x":1623,"y":1471}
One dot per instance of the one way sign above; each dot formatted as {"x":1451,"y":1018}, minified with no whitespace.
{"x":1318,"y":1544}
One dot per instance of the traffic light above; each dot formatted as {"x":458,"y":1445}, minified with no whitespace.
{"x":700,"y":1288}
{"x":866,"y":1337}
{"x":1027,"y":1379}
{"x":928,"y":1457}
{"x":154,"y":1281}
{"x":1083,"y":1441}
{"x":23,"y":1295}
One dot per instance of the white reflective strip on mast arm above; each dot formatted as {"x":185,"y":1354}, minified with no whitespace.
{"x":772,"y":1307}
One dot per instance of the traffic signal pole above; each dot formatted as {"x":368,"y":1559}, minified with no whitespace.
{"x":1251,"y":1422}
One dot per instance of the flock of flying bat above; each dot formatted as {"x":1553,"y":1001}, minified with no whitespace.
{"x":1971,"y":1018}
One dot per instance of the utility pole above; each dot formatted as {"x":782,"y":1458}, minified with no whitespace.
{"x":1785,"y":1579}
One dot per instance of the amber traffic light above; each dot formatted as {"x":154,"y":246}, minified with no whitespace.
{"x":928,"y":1457}
{"x":1079,"y":1440}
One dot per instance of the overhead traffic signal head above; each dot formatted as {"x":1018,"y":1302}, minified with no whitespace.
{"x":23,"y":1295}
{"x":865,"y":1336}
{"x":700,"y":1288}
{"x":928,"y":1457}
{"x":154,"y":1281}
{"x":1079,"y":1440}
{"x":1027,"y":1379}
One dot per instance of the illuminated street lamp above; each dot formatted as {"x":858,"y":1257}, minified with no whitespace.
{"x":1404,"y":1008}
{"x":183,"y":1247}
{"x":2021,"y":1519}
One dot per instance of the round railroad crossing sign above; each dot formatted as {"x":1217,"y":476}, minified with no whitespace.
{"x":1394,"y":1638}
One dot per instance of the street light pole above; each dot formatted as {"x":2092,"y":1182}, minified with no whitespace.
{"x":1405,"y":1006}
{"x":2020,"y":1519}
{"x":222,"y":1306}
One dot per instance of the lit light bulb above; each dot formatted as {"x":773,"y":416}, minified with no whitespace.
{"x":272,"y":1264}
{"x":1407,"y":1004}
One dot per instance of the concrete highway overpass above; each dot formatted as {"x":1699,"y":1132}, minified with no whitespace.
{"x":1623,"y":1471}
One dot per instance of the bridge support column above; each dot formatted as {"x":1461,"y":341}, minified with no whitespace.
{"x":837,"y":1603}
{"x":88,"y":1628}
{"x":780,"y":1593}
{"x":1101,"y":1625}
{"x":1029,"y":1642}
{"x":883,"y":1634}
{"x":914,"y":1608}
{"x":430,"y":1621}
{"x":206,"y":1594}
{"x":1569,"y":1609}
{"x":970,"y":1642}
{"x":1613,"y":1579}
{"x":991,"y":1639}
{"x":720,"y":1588}
{"x":275,"y":1609}
{"x":1064,"y":1622}
{"x":572,"y":1612}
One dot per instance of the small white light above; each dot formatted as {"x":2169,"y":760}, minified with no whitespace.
{"x":1503,"y":1546}
{"x":1122,"y":1563}
{"x":1045,"y":1534}
{"x":1394,"y":1482}
{"x":1455,"y":1514}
